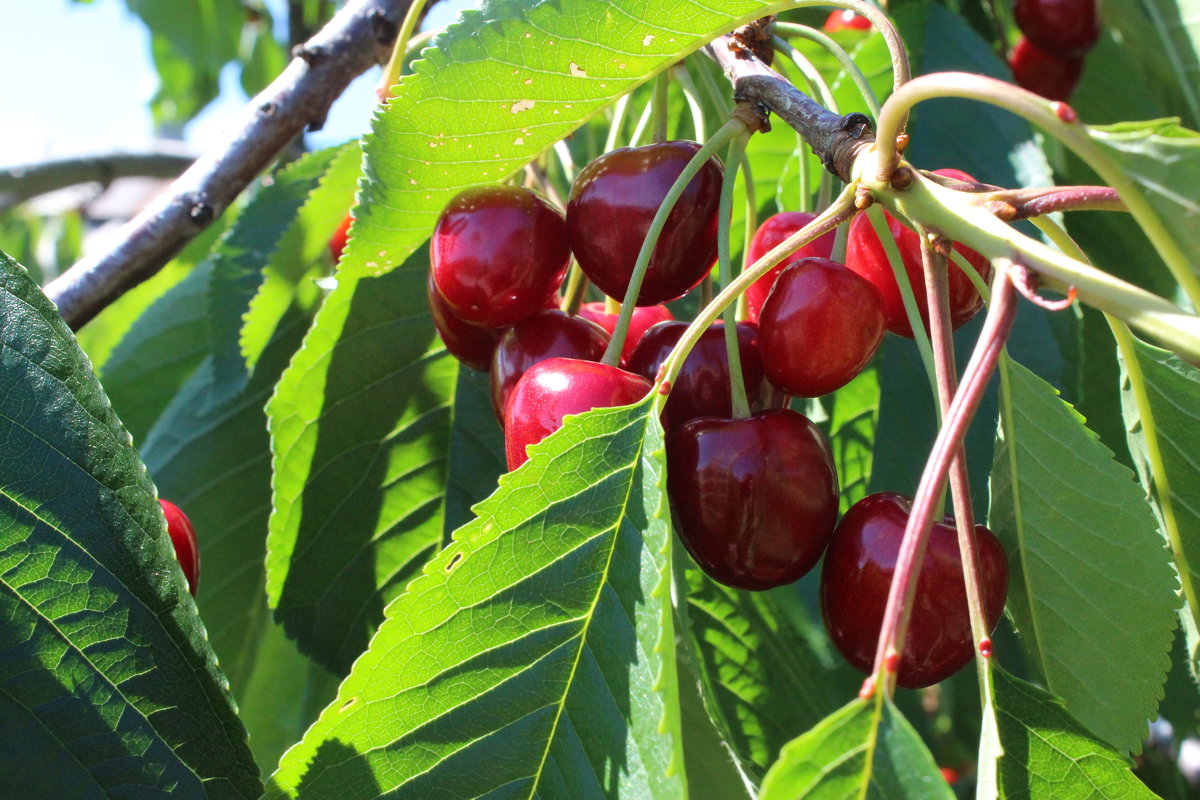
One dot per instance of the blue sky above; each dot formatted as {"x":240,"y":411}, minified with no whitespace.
{"x":92,"y":76}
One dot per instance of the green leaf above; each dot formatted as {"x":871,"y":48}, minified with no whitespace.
{"x":705,"y":753}
{"x":107,"y":685}
{"x":1091,"y":586}
{"x":1161,"y":398}
{"x":501,"y":86}
{"x":476,"y":449}
{"x":1049,"y":754}
{"x":762,"y":681}
{"x":1163,"y":37}
{"x":360,"y":425}
{"x":853,"y":417}
{"x":864,"y":749}
{"x":535,"y":655}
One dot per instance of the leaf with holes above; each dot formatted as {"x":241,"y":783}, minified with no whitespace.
{"x":535,"y":655}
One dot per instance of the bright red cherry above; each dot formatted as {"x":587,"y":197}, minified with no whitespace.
{"x":473,"y":345}
{"x":702,"y":388}
{"x":1051,"y":76}
{"x":771,"y":233}
{"x":183,"y":537}
{"x":845,"y":19}
{"x":643,"y":317}
{"x":547,"y":334}
{"x":866,"y":256}
{"x":496,"y":253}
{"x":612,"y":203}
{"x":857,"y":576}
{"x":337,"y":242}
{"x":820,"y":326}
{"x":552,"y":389}
{"x":1065,"y":28}
{"x":755,"y":498}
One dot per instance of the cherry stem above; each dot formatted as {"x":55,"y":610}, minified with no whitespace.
{"x":618,"y":122}
{"x":838,"y":52}
{"x":949,"y":440}
{"x":723,"y":136}
{"x":662,"y":84}
{"x":739,"y":402}
{"x":1014,"y":204}
{"x":692,"y":97}
{"x":749,"y":228}
{"x":937,"y":293}
{"x":837,"y":213}
{"x":391,"y":73}
{"x":1040,"y":112}
{"x":908,"y":296}
{"x":577,"y":284}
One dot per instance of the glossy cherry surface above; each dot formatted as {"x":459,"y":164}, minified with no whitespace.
{"x":337,"y":242}
{"x":1051,"y":76}
{"x":643,"y":318}
{"x":857,"y":575}
{"x":866,"y":256}
{"x":1063,"y":28}
{"x":771,"y":233}
{"x":473,"y":345}
{"x":547,"y":334}
{"x":844,"y":19}
{"x":550,"y":390}
{"x":496,"y":253}
{"x":183,"y":537}
{"x":755,"y":499}
{"x":612,"y":203}
{"x":702,"y":388}
{"x":820,"y":326}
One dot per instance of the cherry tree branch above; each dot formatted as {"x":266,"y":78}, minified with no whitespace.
{"x":357,"y":38}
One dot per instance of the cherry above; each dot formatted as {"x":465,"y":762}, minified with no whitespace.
{"x":612,"y":203}
{"x":770,"y":234}
{"x":845,"y":20}
{"x":702,"y":388}
{"x":547,"y":334}
{"x":755,"y":499}
{"x":552,"y":389}
{"x":183,"y":537}
{"x":1065,"y":28}
{"x":866,"y":256}
{"x":473,"y":345}
{"x":1051,"y":76}
{"x":820,"y":326}
{"x":496,"y":253}
{"x":857,"y":576}
{"x":643,"y":317}
{"x":337,"y":242}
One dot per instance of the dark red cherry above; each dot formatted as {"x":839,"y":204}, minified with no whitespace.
{"x":857,"y":576}
{"x":643,"y":317}
{"x":496,"y":253}
{"x":702,"y":388}
{"x":866,"y":256}
{"x":547,"y":334}
{"x":337,"y":242}
{"x":820,"y":326}
{"x":771,"y":233}
{"x":755,"y":499}
{"x":1064,"y":28}
{"x":473,"y":345}
{"x":1051,"y":76}
{"x":844,"y":19}
{"x":552,"y":389}
{"x":612,"y":203}
{"x":183,"y":537}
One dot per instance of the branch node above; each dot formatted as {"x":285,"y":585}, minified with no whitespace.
{"x":902,"y":178}
{"x":863,"y":199}
{"x":201,"y":212}
{"x":752,"y":115}
{"x":310,"y":53}
{"x":267,"y":109}
{"x":755,"y":37}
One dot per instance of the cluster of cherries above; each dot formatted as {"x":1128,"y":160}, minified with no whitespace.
{"x":1056,"y":35}
{"x":755,"y":498}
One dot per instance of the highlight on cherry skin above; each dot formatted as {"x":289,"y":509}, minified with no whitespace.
{"x":496,"y":253}
{"x":183,"y":537}
{"x":857,"y":575}
{"x":614,"y":200}
{"x":754,"y":499}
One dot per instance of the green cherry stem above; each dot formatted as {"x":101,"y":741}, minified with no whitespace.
{"x":786,"y":29}
{"x":662,"y":84}
{"x":577,"y":284}
{"x":620,"y":108}
{"x":722,"y":137}
{"x":838,"y":212}
{"x":692,"y":97}
{"x":391,"y":73}
{"x":740,"y":404}
{"x":749,"y":227}
{"x":1042,"y":113}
